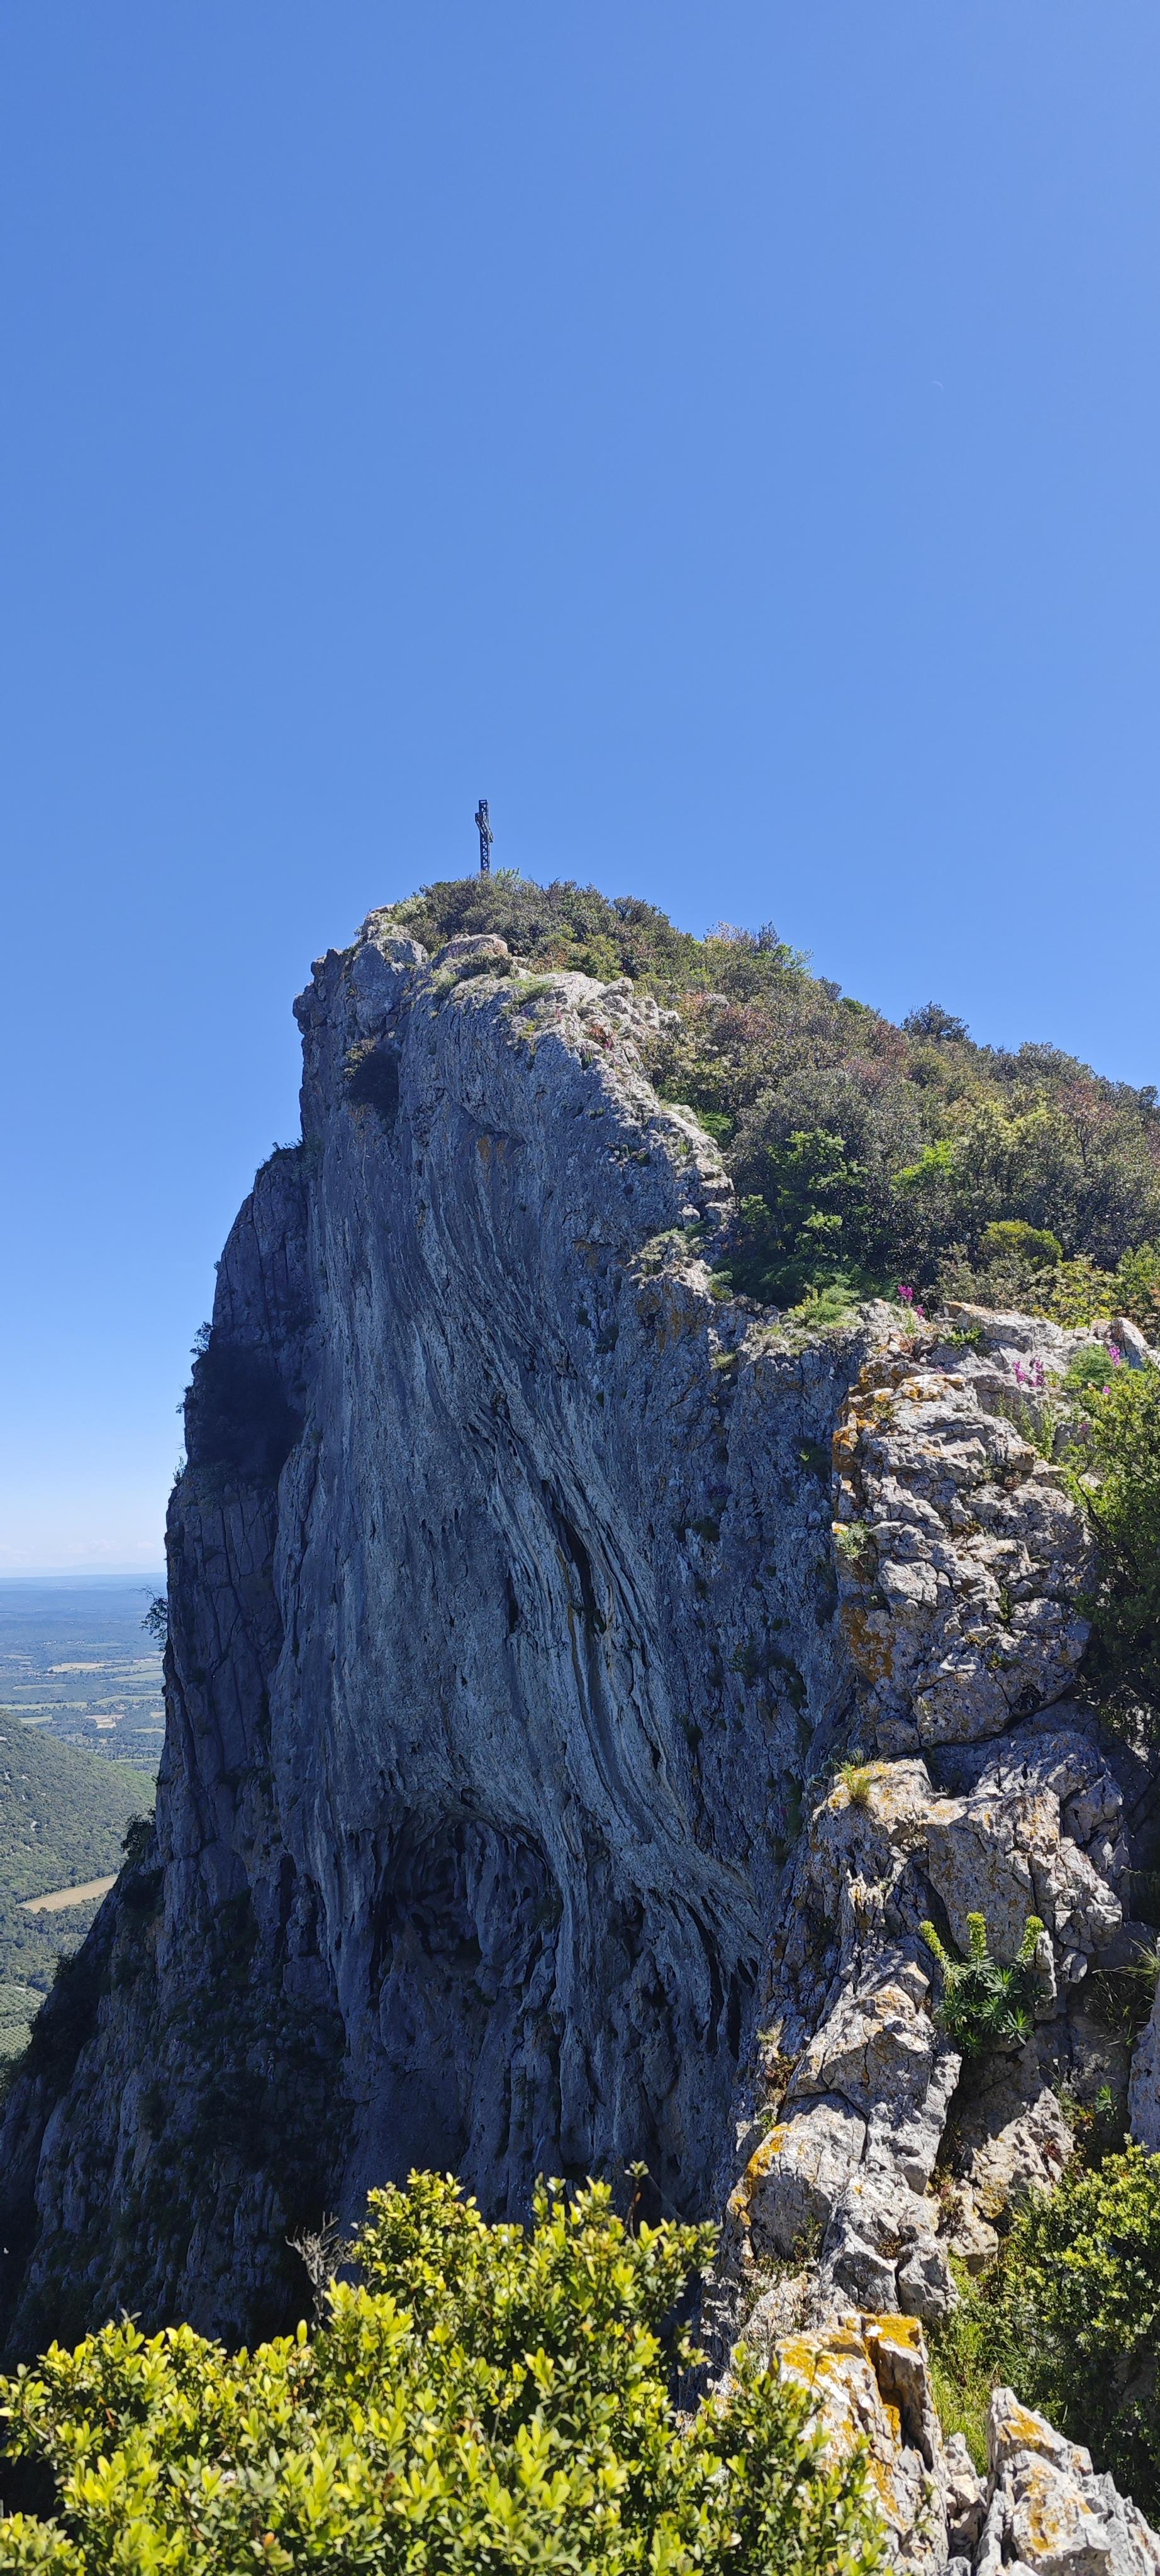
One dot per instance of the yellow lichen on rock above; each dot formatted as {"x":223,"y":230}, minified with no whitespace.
{"x":867,"y":2377}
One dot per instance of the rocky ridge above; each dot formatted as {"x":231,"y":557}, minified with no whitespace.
{"x":525,"y":1598}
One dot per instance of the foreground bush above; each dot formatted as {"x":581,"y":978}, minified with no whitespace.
{"x":1070,"y":2317}
{"x":483,"y":2400}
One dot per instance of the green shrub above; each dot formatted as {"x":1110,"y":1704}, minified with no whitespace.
{"x":984,"y":2003}
{"x":1072,"y":2313}
{"x":1078,"y":1293}
{"x":857,"y":1779}
{"x":799,"y":1236}
{"x":1138,"y":1288}
{"x":1069,"y":2316}
{"x":482,"y":2400}
{"x":829,"y":1302}
{"x":1092,"y":1367}
{"x":1120,"y":1493}
{"x":1010,"y":1238}
{"x":970,"y":2354}
{"x":371,"y":1078}
{"x":136,"y":1839}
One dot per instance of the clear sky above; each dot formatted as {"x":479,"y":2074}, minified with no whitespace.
{"x":727,"y":437}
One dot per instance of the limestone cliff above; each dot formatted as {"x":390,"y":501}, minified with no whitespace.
{"x":523,"y":1594}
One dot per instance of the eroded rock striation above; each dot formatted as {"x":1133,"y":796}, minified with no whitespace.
{"x":526,"y":1594}
{"x":502,"y":1622}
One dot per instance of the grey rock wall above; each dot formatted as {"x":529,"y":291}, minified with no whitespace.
{"x":502,"y":1627}
{"x":524,"y":1594}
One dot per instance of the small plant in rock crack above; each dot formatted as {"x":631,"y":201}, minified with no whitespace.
{"x":1122,"y":1997}
{"x":1097,"y":2127}
{"x":986,"y":2004}
{"x":857,"y":1779}
{"x":853,"y":1544}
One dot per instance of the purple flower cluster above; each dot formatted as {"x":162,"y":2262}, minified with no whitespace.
{"x":908,"y":1298}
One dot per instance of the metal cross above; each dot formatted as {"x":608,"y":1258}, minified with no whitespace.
{"x":486,"y":837}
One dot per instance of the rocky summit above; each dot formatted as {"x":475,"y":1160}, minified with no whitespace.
{"x":586,"y":1691}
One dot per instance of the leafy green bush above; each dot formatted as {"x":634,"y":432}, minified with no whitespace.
{"x":1012,"y":1238}
{"x":1082,"y":2301}
{"x":985,"y":2004}
{"x":136,"y":1839}
{"x":1120,"y":1492}
{"x":1069,"y":2316}
{"x":483,"y":2399}
{"x":1091,"y":1369}
{"x":1138,"y":1284}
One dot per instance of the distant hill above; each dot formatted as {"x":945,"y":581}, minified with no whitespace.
{"x":63,"y":1814}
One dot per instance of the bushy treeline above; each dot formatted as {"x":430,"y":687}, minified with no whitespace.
{"x":476,"y":2399}
{"x":864,"y":1152}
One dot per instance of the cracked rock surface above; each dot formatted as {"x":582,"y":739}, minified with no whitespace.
{"x":1048,"y":2511}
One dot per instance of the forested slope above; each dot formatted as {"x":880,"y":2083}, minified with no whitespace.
{"x":63,"y":1815}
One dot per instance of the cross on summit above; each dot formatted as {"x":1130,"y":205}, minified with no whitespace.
{"x":486,"y":837}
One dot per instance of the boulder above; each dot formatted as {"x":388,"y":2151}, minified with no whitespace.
{"x":966,"y":2498}
{"x":378,"y":976}
{"x":1038,"y":1831}
{"x":790,"y":2184}
{"x":880,"y":2247}
{"x":867,"y":2376}
{"x":1049,"y":2512}
{"x":481,"y":944}
{"x":1012,"y":2135}
{"x":959,"y":1609}
{"x":878,"y":2045}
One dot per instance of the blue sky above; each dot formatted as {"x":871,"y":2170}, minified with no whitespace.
{"x":725,"y":437}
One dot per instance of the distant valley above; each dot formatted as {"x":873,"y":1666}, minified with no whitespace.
{"x":76,"y":1660}
{"x":79,"y":1691}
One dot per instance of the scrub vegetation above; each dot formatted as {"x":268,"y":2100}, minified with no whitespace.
{"x":476,"y":2398}
{"x":1069,"y":2315}
{"x":863,"y":1153}
{"x":1120,"y":1491}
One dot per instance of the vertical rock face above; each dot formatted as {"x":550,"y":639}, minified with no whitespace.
{"x":523,"y":1594}
{"x":502,"y":1618}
